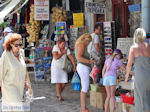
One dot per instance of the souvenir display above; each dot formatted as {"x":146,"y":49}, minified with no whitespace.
{"x":33,"y":27}
{"x":59,"y":14}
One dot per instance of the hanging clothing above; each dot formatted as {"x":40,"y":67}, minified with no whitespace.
{"x":12,"y":77}
{"x":142,"y":84}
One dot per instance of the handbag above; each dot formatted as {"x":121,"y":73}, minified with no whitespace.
{"x":67,"y":65}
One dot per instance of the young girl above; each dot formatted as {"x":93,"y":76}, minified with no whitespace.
{"x":109,"y":73}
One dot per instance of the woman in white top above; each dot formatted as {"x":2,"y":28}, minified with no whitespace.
{"x":13,"y":71}
{"x":58,"y":75}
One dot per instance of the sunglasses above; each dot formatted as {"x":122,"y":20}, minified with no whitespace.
{"x":17,"y":45}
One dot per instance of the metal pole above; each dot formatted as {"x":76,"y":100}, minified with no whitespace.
{"x":146,"y":15}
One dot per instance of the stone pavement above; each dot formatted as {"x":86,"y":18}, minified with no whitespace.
{"x":51,"y":103}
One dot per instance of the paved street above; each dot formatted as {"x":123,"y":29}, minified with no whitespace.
{"x":51,"y":103}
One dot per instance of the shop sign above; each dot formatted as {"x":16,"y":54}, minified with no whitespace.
{"x":94,"y":7}
{"x":124,"y":45}
{"x":41,"y":10}
{"x":134,"y":8}
{"x":60,"y":27}
{"x":78,"y":20}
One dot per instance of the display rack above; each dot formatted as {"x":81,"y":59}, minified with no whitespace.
{"x":42,"y":59}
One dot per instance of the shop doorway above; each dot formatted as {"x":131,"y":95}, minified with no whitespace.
{"x":99,"y":18}
{"x":120,"y":15}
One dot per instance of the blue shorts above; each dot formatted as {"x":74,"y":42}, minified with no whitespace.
{"x":109,"y":80}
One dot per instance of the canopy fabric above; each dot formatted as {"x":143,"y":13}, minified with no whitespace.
{"x":25,"y":2}
{"x":8,"y":9}
{"x":3,"y":4}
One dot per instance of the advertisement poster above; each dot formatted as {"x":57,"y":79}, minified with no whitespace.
{"x":93,"y":7}
{"x":124,"y":45}
{"x":107,"y":28}
{"x":41,"y":10}
{"x":78,"y":19}
{"x":60,"y":27}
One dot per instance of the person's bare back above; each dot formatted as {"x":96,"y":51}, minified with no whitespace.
{"x":142,"y":49}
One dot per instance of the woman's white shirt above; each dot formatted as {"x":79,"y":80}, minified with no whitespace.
{"x":59,"y":61}
{"x":12,"y":77}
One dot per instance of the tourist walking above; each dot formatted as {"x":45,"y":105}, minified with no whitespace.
{"x":58,"y":75}
{"x":140,"y":54}
{"x":13,"y":73}
{"x":109,"y":74}
{"x":83,"y":66}
{"x":6,"y":34}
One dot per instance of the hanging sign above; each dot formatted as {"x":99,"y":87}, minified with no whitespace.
{"x":41,"y":10}
{"x":60,"y":27}
{"x":94,"y":7}
{"x":78,"y":20}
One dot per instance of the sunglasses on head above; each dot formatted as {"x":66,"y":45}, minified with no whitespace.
{"x":17,"y":45}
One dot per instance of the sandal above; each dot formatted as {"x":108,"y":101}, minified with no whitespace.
{"x":87,"y":110}
{"x":61,"y":99}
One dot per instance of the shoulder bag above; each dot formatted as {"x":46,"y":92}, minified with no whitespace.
{"x":67,"y":64}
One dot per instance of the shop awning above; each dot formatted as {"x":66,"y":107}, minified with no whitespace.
{"x":25,"y":2}
{"x":4,"y":3}
{"x":8,"y":9}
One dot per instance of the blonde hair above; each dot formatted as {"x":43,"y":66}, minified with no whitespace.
{"x":112,"y":59}
{"x":14,"y":37}
{"x":139,"y":36}
{"x":84,"y":39}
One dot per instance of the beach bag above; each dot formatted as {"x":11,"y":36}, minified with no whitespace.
{"x":94,"y":72}
{"x":76,"y":82}
{"x":67,"y":65}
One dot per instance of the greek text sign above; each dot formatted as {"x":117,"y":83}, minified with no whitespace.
{"x":124,"y":45}
{"x":96,"y":8}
